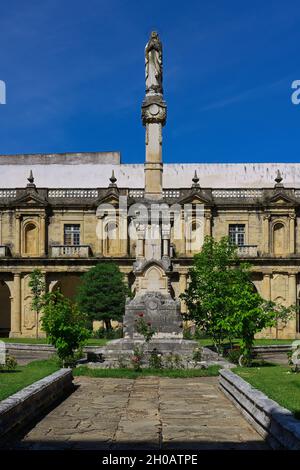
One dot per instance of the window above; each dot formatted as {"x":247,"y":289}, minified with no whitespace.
{"x":237,"y":234}
{"x":72,"y":234}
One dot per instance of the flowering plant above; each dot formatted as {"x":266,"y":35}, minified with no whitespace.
{"x":144,"y":328}
{"x":137,"y":358}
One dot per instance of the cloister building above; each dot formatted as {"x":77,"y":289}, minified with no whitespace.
{"x":62,"y":213}
{"x":51,"y":221}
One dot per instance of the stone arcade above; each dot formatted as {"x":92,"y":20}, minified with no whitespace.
{"x":55,"y":222}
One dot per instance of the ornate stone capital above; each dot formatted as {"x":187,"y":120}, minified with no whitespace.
{"x":154,"y":110}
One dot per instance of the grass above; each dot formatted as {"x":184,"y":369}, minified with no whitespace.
{"x":211,"y":371}
{"x":103,"y":341}
{"x":257,"y":342}
{"x":277,"y":382}
{"x":13,"y":381}
{"x":90,"y":342}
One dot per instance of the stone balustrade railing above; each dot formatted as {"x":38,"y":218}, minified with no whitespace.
{"x":70,"y":251}
{"x":247,"y":250}
{"x":73,"y":193}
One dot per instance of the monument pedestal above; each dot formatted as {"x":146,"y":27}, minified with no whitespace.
{"x":160,"y":310}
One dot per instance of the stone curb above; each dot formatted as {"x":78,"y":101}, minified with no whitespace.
{"x":23,"y":407}
{"x":274,"y":423}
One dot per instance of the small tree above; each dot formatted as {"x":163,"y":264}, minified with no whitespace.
{"x":65,"y":326}
{"x":102,"y":293}
{"x":222,"y":300}
{"x":38,"y":287}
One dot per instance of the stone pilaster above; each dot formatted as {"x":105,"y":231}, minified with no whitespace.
{"x":207,"y":224}
{"x":266,"y":287}
{"x":292,"y":234}
{"x":16,"y":316}
{"x":292,"y":289}
{"x":266,"y":234}
{"x":182,"y":288}
{"x":18,"y":235}
{"x":42,"y":235}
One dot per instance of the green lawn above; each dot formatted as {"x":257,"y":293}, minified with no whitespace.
{"x":257,"y":342}
{"x":90,"y":342}
{"x":12,"y":382}
{"x":277,"y":382}
{"x":102,"y":341}
{"x":211,"y":371}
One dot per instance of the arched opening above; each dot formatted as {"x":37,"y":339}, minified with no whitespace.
{"x":111,"y":239}
{"x":5,"y":310}
{"x":279,"y":239}
{"x":68,"y":286}
{"x":194,"y":237}
{"x":155,"y":280}
{"x":31,"y":239}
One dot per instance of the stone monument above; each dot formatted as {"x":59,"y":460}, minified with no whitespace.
{"x":153,"y":265}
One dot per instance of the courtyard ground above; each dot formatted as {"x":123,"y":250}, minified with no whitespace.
{"x":147,"y":412}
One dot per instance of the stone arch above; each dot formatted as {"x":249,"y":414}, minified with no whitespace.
{"x":5,"y":309}
{"x":194,"y":236}
{"x":154,"y":279}
{"x":31,"y":239}
{"x":279,"y":238}
{"x":111,"y":241}
{"x":67,"y":285}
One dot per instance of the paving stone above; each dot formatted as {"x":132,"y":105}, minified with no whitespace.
{"x":146,"y":413}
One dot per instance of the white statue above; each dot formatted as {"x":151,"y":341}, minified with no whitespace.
{"x":153,"y":62}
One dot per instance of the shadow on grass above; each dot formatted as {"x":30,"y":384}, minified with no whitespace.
{"x":257,"y":363}
{"x":9,"y":371}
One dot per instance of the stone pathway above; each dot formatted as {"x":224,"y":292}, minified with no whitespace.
{"x":146,"y":413}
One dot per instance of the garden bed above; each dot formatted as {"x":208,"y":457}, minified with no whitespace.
{"x":276,"y":424}
{"x":13,"y":381}
{"x":277,"y":382}
{"x":90,"y":342}
{"x":212,"y":371}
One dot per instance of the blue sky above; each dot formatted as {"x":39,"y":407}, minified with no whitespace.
{"x":74,"y":73}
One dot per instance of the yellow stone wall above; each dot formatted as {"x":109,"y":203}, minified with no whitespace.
{"x":274,"y":281}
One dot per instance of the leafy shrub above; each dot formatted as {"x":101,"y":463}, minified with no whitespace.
{"x":187,"y":332}
{"x":65,"y":327}
{"x":114,"y":333}
{"x":10,"y":363}
{"x":197,"y":354}
{"x":155,"y":359}
{"x":233,"y":355}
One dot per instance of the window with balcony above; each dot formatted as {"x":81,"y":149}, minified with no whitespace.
{"x":237,"y":234}
{"x":72,"y":234}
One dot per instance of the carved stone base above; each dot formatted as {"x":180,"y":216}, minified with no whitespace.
{"x":161,"y":310}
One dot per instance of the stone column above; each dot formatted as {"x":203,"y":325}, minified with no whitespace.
{"x":266,"y":289}
{"x":292,"y":289}
{"x":16,"y":307}
{"x":182,"y":288}
{"x":292,"y":234}
{"x":165,"y":246}
{"x":154,"y":114}
{"x":140,"y":245}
